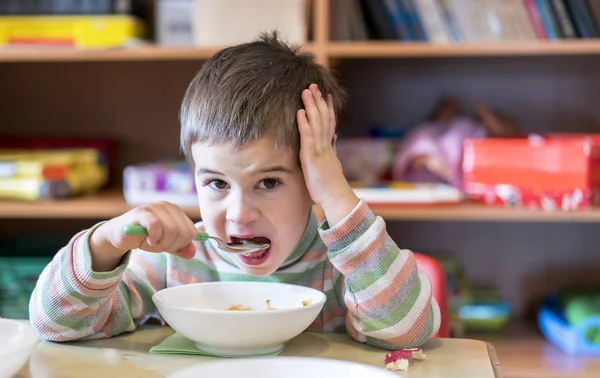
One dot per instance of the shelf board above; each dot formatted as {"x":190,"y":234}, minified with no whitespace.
{"x":336,"y":50}
{"x":110,"y":203}
{"x":524,"y":352}
{"x":475,"y":212}
{"x":142,"y":53}
{"x":106,"y":204}
{"x":391,"y":49}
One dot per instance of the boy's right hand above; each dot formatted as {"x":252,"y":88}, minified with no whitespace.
{"x":169,"y":230}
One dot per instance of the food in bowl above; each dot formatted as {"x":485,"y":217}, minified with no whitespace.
{"x":239,"y":307}
{"x":202,"y":313}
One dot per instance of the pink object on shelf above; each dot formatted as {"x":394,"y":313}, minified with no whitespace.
{"x":442,"y":141}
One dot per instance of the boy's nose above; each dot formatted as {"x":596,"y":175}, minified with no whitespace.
{"x":241,"y":211}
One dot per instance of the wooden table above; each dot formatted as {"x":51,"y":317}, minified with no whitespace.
{"x":127,"y":356}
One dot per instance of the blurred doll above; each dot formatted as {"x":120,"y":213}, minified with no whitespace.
{"x":433,"y":151}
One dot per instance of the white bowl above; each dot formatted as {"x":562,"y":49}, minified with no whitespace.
{"x":200,"y":313}
{"x":288,"y":367}
{"x":17,"y":341}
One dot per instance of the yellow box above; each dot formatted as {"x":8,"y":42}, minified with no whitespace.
{"x":85,"y":32}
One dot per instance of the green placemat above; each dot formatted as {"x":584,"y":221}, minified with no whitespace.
{"x":177,"y":344}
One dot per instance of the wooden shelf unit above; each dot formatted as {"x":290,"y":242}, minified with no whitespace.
{"x":543,"y":85}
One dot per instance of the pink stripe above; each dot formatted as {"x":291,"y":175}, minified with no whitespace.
{"x":413,"y":332}
{"x":332,"y":314}
{"x":105,"y":325}
{"x":337,"y":233}
{"x":373,"y":249}
{"x":149,"y":270}
{"x":398,"y":282}
{"x":183,"y":278}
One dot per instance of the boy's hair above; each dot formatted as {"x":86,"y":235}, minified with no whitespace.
{"x":251,"y":91}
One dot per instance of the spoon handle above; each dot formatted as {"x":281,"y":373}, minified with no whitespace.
{"x":138,"y":230}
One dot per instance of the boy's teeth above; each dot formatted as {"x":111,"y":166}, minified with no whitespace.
{"x":255,"y":255}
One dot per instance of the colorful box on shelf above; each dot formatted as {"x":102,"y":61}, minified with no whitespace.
{"x":551,"y":172}
{"x":581,"y":339}
{"x":50,"y":174}
{"x":105,"y":147}
{"x":84,"y":32}
{"x":162,"y":181}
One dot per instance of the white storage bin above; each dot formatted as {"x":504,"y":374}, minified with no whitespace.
{"x":229,"y":22}
{"x":174,"y":22}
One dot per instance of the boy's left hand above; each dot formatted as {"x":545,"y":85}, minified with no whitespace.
{"x":320,"y":165}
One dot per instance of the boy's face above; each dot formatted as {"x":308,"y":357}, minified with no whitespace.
{"x":252,"y":192}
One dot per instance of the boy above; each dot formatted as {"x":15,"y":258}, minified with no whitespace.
{"x":258,"y":126}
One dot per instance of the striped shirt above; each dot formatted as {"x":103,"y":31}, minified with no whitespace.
{"x":374,"y":290}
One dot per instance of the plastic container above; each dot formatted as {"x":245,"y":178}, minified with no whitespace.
{"x":569,"y":339}
{"x":484,"y":312}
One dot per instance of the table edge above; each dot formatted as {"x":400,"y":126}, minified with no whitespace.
{"x":494,"y":360}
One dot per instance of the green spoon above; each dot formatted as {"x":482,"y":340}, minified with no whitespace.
{"x":245,"y":247}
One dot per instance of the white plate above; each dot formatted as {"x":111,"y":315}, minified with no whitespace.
{"x":17,"y":341}
{"x":288,"y":367}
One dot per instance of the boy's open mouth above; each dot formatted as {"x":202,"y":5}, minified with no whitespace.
{"x":256,"y":258}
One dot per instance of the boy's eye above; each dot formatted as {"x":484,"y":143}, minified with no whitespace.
{"x":269,"y":183}
{"x":218,"y":184}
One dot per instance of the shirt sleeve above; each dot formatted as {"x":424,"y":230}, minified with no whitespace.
{"x":390,"y":302}
{"x":72,"y":302}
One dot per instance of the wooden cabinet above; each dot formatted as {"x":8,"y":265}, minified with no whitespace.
{"x":133,"y":95}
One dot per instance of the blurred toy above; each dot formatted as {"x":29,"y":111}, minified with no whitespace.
{"x":168,"y":180}
{"x":472,"y":309}
{"x":367,"y":160}
{"x":433,"y":151}
{"x":570,"y":319}
{"x":486,"y":312}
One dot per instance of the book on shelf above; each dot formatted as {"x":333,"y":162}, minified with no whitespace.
{"x":464,"y":21}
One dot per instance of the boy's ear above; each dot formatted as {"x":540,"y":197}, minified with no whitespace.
{"x":334,"y":142}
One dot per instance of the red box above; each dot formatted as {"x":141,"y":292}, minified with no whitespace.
{"x":553,"y":171}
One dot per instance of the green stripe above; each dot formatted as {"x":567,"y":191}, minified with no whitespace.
{"x":338,"y":286}
{"x":423,"y":336}
{"x":68,"y":286}
{"x":306,"y":240}
{"x":126,"y":294}
{"x":55,"y":313}
{"x":369,"y":277}
{"x":333,"y":254}
{"x":372,"y":325}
